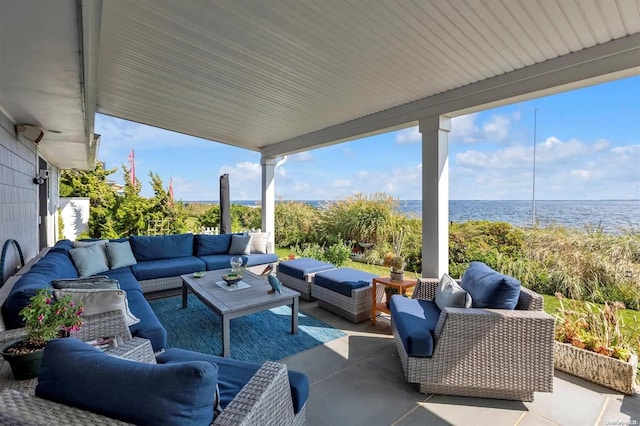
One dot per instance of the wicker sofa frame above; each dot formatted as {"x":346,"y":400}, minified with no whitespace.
{"x":489,"y":353}
{"x":264,"y":400}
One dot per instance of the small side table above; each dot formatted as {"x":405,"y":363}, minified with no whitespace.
{"x":401,"y":286}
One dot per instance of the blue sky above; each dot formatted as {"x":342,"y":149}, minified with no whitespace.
{"x":587,"y":148}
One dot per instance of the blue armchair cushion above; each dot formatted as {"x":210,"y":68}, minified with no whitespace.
{"x":89,"y":260}
{"x":147,"y":270}
{"x":415,"y":320}
{"x":120,"y":255}
{"x":212,"y":244}
{"x":74,"y":373}
{"x":300,"y":268}
{"x":343,"y":280}
{"x":161,"y":246}
{"x":234,"y":374}
{"x":490,"y":289}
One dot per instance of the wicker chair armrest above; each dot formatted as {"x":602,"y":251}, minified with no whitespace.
{"x":425,"y":288}
{"x":21,"y":409}
{"x":530,"y":300}
{"x":106,"y":324}
{"x":9,"y":335}
{"x":265,"y":399}
{"x":497,"y":346}
{"x":491,"y":321}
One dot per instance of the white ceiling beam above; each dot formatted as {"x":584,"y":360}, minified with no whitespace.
{"x":604,"y":62}
{"x":89,"y":21}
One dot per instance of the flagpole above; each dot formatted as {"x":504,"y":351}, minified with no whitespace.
{"x":533,"y":192}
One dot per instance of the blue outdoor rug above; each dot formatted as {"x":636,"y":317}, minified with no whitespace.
{"x":259,"y":337}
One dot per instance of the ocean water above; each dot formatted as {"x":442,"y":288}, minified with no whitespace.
{"x":610,"y":216}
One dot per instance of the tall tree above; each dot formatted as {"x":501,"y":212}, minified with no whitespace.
{"x":130,"y":208}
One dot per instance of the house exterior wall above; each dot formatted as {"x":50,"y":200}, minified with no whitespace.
{"x":75,"y":214}
{"x":18,"y":195}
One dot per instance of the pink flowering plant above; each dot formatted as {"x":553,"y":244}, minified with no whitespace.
{"x":47,"y":317}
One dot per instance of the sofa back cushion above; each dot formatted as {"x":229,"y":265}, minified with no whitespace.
{"x":161,"y":246}
{"x":490,"y":289}
{"x":52,"y":266}
{"x":74,"y":373}
{"x":212,"y":244}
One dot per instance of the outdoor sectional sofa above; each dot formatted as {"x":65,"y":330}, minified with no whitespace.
{"x":486,"y":337}
{"x":140,"y":264}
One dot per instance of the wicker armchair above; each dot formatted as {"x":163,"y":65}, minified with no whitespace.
{"x":490,"y":353}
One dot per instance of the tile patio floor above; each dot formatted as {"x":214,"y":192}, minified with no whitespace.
{"x":358,"y":380}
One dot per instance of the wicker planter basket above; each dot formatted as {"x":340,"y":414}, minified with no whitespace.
{"x":603,"y":370}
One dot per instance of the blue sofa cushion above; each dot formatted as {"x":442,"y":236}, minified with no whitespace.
{"x":125,"y":278}
{"x":74,"y":373}
{"x":299,"y":268}
{"x":490,"y":289}
{"x":161,"y":246}
{"x":415,"y":320}
{"x":149,"y":326}
{"x":234,"y":374}
{"x":212,"y":244}
{"x":343,"y":280}
{"x":148,"y":270}
{"x":52,"y":266}
{"x":62,"y":246}
{"x":216,"y":261}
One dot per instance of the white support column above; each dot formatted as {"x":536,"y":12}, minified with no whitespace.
{"x":268,"y":197}
{"x":435,"y":195}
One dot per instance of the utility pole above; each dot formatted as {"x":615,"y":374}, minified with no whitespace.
{"x":533,"y":192}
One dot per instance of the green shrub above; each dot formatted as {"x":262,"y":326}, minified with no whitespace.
{"x":336,"y":254}
{"x":295,"y":223}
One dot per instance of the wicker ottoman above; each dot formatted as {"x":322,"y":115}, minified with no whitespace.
{"x":298,"y":274}
{"x":346,"y":292}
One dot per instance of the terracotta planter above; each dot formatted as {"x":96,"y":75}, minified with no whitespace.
{"x":603,"y":370}
{"x":23,"y":366}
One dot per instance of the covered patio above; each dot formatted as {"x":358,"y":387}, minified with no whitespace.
{"x":280,"y":78}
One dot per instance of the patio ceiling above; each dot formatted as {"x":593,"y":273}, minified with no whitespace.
{"x":279,"y":77}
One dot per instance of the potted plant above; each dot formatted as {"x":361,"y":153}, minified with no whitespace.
{"x":45,"y":318}
{"x":590,"y":344}
{"x":395,"y":260}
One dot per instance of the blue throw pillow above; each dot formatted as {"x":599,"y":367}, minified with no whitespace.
{"x":120,"y":255}
{"x":490,"y":289}
{"x":89,"y":260}
{"x":75,"y":373}
{"x":240,"y":244}
{"x":161,"y":246}
{"x":212,"y":244}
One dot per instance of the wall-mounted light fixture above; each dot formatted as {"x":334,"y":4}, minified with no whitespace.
{"x":30,"y":132}
{"x":42,"y":176}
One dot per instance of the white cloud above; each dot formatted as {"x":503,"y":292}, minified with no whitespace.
{"x":245,"y":180}
{"x":410,"y":135}
{"x":300,"y":157}
{"x":497,"y":129}
{"x":564,"y":170}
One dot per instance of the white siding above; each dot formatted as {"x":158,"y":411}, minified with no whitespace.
{"x":18,"y":195}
